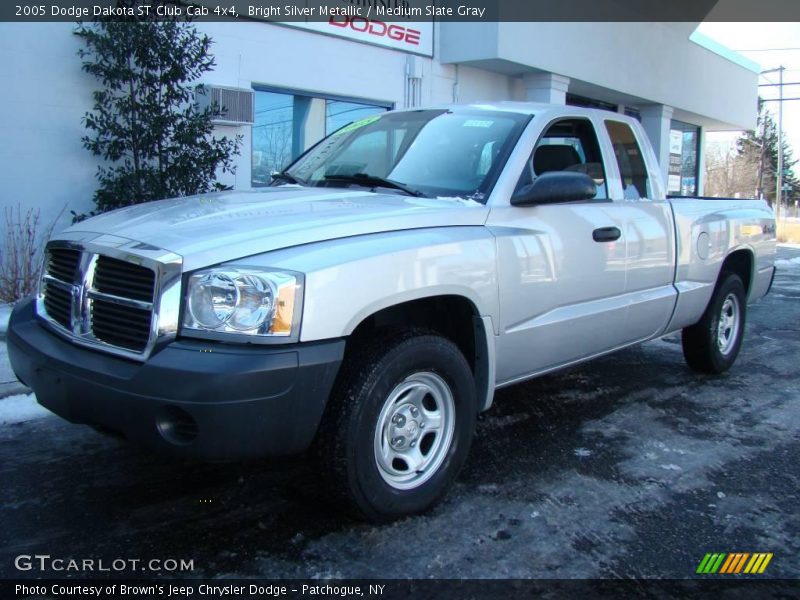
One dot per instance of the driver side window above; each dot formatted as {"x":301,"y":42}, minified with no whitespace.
{"x":567,"y":145}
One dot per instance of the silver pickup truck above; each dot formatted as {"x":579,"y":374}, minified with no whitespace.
{"x":368,"y":303}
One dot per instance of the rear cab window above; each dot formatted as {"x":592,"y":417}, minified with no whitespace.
{"x":633,"y":172}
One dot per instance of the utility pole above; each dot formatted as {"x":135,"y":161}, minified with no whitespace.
{"x":779,"y":184}
{"x":761,"y":158}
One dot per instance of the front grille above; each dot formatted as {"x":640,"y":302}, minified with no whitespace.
{"x":58,"y":304}
{"x":62,"y":263}
{"x":121,"y":326}
{"x":120,"y":278}
{"x":116,"y":309}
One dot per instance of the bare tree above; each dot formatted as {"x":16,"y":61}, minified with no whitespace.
{"x":21,"y":253}
{"x":731,"y":174}
{"x":272,"y":149}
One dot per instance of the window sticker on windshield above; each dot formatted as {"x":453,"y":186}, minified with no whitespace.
{"x":477,"y":123}
{"x":358,"y":124}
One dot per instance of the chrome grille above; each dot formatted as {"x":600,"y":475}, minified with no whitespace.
{"x":111,"y":297}
{"x":58,"y":303}
{"x":120,"y":278}
{"x":62,"y":263}
{"x":119,"y":325}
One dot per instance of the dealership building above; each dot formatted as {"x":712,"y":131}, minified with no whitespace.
{"x":288,"y":85}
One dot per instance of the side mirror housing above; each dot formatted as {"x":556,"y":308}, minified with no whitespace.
{"x":554,"y":187}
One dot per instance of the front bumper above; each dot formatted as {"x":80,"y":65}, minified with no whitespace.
{"x":192,"y":398}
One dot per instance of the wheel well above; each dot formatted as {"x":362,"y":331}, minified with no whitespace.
{"x":450,"y":316}
{"x":740,"y":263}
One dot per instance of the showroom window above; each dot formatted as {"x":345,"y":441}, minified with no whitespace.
{"x":288,"y":123}
{"x":583,"y":101}
{"x":684,"y":145}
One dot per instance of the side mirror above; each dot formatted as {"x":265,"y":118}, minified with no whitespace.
{"x":556,"y":186}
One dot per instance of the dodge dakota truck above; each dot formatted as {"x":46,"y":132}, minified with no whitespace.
{"x":366,"y":305}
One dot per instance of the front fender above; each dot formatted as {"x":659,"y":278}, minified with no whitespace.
{"x":349,"y":279}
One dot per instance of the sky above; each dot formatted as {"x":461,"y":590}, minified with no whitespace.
{"x":770,"y":45}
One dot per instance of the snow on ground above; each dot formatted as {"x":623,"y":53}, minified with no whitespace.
{"x":6,"y":374}
{"x":788,"y":262}
{"x":5,"y":313}
{"x":8,"y":381}
{"x":20,"y":408}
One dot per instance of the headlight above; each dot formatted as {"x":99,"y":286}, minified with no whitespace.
{"x":242,"y":300}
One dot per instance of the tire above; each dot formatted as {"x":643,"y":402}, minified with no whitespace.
{"x":712,"y":344}
{"x":390,"y":388}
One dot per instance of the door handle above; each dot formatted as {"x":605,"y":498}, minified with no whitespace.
{"x":606,"y":234}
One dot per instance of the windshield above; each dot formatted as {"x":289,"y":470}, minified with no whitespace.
{"x":424,"y":152}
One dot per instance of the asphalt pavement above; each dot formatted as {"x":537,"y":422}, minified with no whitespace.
{"x":628,"y":466}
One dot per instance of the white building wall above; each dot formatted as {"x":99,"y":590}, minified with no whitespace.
{"x":625,"y":63}
{"x":656,"y":121}
{"x":46,"y":94}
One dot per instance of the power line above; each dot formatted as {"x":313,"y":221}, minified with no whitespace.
{"x":778,"y":84}
{"x":788,"y":49}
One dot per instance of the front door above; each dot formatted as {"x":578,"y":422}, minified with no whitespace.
{"x":562,"y":267}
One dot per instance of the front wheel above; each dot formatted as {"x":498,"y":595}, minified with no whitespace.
{"x":399,"y":425}
{"x":713,"y":343}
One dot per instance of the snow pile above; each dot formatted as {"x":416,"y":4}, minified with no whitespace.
{"x":5,"y":313}
{"x":20,"y":408}
{"x":789,"y":263}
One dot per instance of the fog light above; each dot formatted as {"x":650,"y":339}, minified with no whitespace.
{"x":177,"y":426}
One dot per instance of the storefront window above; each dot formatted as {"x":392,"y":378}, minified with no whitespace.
{"x":339,"y":113}
{"x":287,"y":124}
{"x":583,"y":101}
{"x":575,"y":100}
{"x":272,"y":134}
{"x":633,"y":112}
{"x":684,"y":140}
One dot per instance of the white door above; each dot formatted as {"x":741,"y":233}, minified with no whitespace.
{"x":649,"y":234}
{"x":561,"y":266}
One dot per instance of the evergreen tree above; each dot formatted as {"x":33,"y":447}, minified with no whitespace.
{"x":759,"y":148}
{"x":154,"y":141}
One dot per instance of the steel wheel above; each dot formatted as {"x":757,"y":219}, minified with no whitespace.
{"x":414,"y":430}
{"x":399,"y":424}
{"x":712,"y":344}
{"x":728,"y":324}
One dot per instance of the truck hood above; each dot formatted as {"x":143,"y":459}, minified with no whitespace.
{"x":213,"y":228}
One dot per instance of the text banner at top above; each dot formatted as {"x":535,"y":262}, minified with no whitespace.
{"x":365,"y":12}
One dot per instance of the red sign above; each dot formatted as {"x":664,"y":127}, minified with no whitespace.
{"x":377,"y":28}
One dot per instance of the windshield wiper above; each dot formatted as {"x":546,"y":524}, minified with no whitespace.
{"x":374,"y":181}
{"x":284,"y":175}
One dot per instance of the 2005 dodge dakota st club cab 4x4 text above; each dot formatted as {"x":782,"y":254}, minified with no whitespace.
{"x":369,"y":302}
